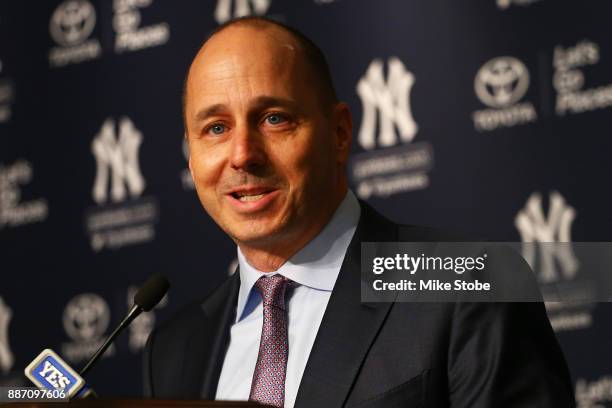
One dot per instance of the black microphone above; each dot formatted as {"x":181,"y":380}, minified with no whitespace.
{"x":49,"y":372}
{"x":147,"y":297}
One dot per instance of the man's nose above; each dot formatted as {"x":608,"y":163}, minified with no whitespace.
{"x":248,"y":150}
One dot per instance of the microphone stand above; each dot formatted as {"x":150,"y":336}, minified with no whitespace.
{"x":133,"y":313}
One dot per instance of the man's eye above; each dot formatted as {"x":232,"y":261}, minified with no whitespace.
{"x":216,"y":129}
{"x":275,"y":119}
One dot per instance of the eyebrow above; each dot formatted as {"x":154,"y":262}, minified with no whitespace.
{"x":209,"y":111}
{"x":260,"y":103}
{"x":264,"y":102}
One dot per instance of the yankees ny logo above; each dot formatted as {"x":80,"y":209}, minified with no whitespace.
{"x":549,"y":233}
{"x":119,"y":156}
{"x":391,"y":99}
{"x":223,"y":12}
{"x":6,"y":356}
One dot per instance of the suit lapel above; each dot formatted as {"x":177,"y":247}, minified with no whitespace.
{"x":349,"y":326}
{"x":207,"y":346}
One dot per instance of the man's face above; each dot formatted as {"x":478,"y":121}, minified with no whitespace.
{"x":266,"y":157}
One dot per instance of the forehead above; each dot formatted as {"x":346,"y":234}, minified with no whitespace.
{"x":246,"y":62}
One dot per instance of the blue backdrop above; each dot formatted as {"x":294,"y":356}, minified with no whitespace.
{"x":491,"y":117}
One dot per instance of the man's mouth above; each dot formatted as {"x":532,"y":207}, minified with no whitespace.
{"x":244,"y":197}
{"x":252,"y":198}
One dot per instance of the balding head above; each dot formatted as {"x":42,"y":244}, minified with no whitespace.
{"x":308,"y":52}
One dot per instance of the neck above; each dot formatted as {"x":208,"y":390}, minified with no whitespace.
{"x":270,"y":256}
{"x":264,"y":260}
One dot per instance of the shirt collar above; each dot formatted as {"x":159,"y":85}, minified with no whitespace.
{"x":318,"y":263}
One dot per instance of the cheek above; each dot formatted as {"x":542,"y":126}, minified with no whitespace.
{"x":306,"y":161}
{"x":207,"y":167}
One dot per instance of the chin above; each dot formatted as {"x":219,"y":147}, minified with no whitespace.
{"x":256,"y":233}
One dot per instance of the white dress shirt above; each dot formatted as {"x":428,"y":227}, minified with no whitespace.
{"x":315,"y":268}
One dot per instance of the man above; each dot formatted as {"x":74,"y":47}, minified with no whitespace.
{"x":269,"y":145}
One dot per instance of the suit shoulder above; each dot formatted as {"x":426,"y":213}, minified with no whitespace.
{"x":173,"y":346}
{"x":427,"y":234}
{"x":192,"y":314}
{"x":414,"y":233}
{"x":182,"y":318}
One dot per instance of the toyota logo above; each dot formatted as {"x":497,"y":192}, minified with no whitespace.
{"x":501,"y":82}
{"x":72,"y":22}
{"x":86,"y":317}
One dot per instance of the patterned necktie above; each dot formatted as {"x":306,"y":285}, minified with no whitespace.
{"x":268,"y":386}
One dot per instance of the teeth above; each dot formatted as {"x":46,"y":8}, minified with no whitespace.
{"x":246,"y":198}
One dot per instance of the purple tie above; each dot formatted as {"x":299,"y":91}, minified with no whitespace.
{"x":268,"y":386}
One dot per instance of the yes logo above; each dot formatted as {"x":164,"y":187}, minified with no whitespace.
{"x":54,"y":376}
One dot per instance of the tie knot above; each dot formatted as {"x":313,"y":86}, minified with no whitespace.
{"x":272,"y":289}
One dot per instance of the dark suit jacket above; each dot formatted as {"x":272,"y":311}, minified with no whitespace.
{"x":381,"y":354}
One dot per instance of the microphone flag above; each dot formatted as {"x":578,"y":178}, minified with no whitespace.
{"x":49,"y":372}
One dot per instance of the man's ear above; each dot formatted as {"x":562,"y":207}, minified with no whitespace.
{"x":343,"y":131}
